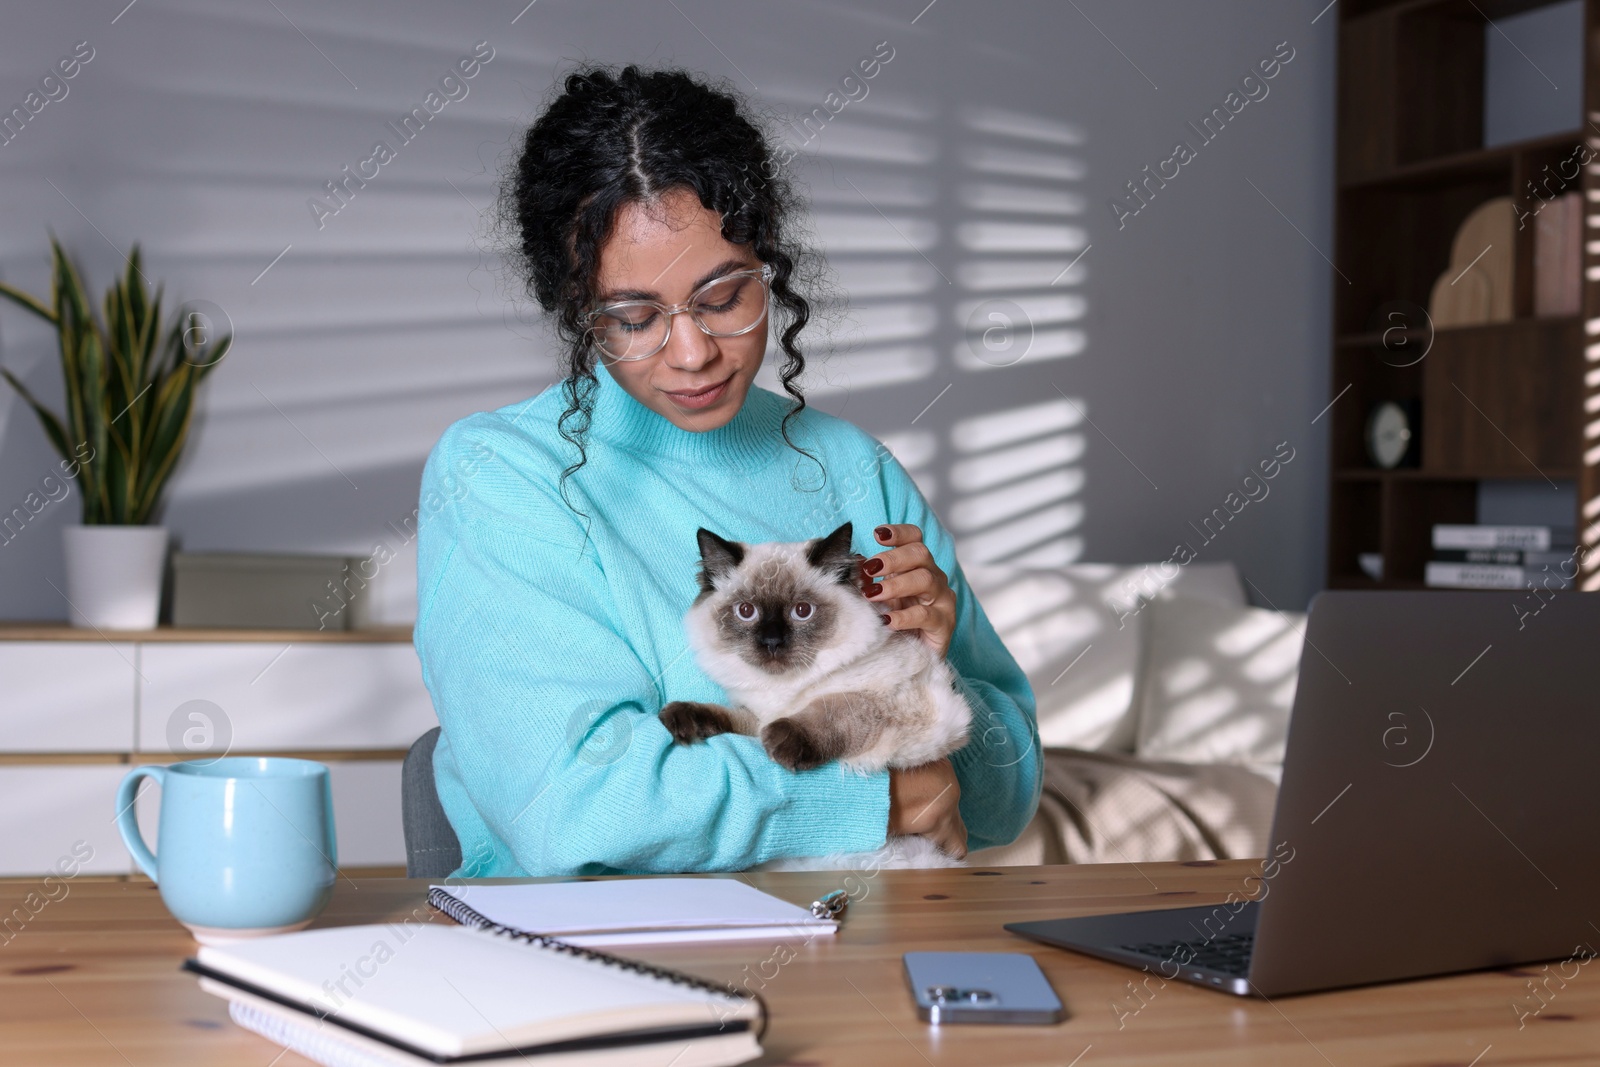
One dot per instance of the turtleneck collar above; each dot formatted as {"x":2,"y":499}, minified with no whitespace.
{"x":750,"y":441}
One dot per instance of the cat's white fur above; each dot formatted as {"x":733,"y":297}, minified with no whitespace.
{"x":893,"y":676}
{"x":924,"y":716}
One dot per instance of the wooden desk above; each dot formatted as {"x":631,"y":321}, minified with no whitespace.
{"x":93,"y":979}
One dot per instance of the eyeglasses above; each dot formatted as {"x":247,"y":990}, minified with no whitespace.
{"x":729,"y":306}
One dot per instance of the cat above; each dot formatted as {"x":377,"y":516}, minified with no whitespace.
{"x":814,"y":672}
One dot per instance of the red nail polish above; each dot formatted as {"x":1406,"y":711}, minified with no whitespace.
{"x":887,"y":621}
{"x":883,"y":533}
{"x":873,"y":566}
{"x":876,"y":590}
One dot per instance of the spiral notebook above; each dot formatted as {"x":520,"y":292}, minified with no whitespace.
{"x":407,"y":995}
{"x":631,"y":911}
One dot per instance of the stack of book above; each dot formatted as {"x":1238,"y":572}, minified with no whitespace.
{"x":1501,"y":557}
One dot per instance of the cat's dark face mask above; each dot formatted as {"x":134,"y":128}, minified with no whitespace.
{"x":778,"y":614}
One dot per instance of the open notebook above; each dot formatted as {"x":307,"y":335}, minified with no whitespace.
{"x":631,"y":911}
{"x":403,"y":996}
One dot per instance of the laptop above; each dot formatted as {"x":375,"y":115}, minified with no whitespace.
{"x":1439,"y":809}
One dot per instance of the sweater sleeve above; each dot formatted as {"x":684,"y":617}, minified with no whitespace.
{"x":552,"y":719}
{"x":1000,"y":768}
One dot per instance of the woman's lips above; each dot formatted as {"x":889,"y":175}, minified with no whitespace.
{"x":703,"y":399}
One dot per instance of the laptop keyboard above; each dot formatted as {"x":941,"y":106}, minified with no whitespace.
{"x":1228,"y":955}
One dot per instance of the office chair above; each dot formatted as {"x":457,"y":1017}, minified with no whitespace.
{"x":432,"y":849}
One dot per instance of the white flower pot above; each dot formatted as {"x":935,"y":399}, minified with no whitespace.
{"x":114,"y":575}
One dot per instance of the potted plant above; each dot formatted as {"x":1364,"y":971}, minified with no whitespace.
{"x":130,"y":384}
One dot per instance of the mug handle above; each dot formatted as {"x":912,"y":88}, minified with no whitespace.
{"x":127,"y":820}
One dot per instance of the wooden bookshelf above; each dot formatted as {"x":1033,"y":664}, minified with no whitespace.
{"x":1498,"y":401}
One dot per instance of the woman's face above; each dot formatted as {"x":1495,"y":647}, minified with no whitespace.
{"x":663,"y":251}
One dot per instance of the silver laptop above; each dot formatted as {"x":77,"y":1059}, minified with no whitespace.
{"x":1439,"y":812}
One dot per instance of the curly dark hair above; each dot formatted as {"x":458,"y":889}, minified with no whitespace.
{"x":613,"y":138}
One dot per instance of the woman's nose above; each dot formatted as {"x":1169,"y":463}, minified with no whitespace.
{"x":689,"y":348}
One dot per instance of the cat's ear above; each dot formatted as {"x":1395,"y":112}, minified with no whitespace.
{"x":832,"y":555}
{"x":718,"y":558}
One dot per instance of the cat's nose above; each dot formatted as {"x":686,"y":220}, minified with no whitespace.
{"x":773,"y":635}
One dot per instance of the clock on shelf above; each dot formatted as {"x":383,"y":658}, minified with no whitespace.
{"x":1392,"y":435}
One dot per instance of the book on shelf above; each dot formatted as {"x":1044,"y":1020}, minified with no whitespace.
{"x":1527,"y":538}
{"x":1513,"y":557}
{"x":1441,"y":574}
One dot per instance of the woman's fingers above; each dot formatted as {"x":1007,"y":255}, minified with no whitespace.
{"x":914,"y":584}
{"x":911,"y":581}
{"x":900,"y":560}
{"x":901,"y":533}
{"x":952,"y":839}
{"x":913,"y":616}
{"x":926,"y":800}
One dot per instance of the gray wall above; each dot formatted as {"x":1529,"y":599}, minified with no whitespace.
{"x":1177,"y":353}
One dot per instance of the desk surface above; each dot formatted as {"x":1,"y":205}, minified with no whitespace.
{"x":93,"y":979}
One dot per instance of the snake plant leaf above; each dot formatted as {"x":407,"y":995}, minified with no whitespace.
{"x":27,"y":300}
{"x":130,"y":387}
{"x":52,"y":425}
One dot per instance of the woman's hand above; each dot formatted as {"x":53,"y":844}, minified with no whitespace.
{"x":925,"y":800}
{"x":914,"y":593}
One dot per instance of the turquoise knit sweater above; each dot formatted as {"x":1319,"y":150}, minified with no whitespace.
{"x":550,"y":642}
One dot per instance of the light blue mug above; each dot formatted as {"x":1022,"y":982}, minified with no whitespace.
{"x":247,"y":843}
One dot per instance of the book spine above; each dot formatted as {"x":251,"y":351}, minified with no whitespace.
{"x":1504,"y":556}
{"x":1472,"y":576}
{"x":1531,"y":538}
{"x":1489,"y":576}
{"x":1513,"y":557}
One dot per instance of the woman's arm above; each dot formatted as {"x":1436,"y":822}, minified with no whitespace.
{"x":552,"y":719}
{"x":1000,"y":767}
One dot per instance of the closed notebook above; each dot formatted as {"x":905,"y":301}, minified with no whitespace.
{"x":631,"y":910}
{"x":413,"y":994}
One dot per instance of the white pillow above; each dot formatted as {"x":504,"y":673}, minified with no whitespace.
{"x":1218,"y":683}
{"x":1076,"y":631}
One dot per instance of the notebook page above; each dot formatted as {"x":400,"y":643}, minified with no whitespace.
{"x":566,"y":909}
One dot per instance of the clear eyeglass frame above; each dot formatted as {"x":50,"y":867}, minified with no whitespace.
{"x":763,"y":274}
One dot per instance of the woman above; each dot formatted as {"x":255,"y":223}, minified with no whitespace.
{"x":557,"y":548}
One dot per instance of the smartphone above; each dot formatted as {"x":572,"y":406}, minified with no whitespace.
{"x":981,"y":987}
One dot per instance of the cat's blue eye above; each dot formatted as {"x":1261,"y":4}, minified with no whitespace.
{"x":800,"y":612}
{"x":746,"y":611}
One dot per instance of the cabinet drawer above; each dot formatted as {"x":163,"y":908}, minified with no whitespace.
{"x":366,"y":813}
{"x":275,"y":697}
{"x":48,"y":809}
{"x":66,"y":696}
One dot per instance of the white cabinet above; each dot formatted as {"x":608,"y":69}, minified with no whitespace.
{"x":277,"y":697}
{"x":66,"y":696}
{"x":66,"y":693}
{"x":46,"y":810}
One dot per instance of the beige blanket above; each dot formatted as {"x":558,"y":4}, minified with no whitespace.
{"x":1105,"y":808}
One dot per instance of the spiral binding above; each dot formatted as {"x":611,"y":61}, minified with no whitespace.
{"x":466,"y":915}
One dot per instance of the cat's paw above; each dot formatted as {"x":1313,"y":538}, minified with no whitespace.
{"x":791,"y":745}
{"x":688,"y":721}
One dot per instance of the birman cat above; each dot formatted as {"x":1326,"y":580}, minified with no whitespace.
{"x":814,"y":672}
